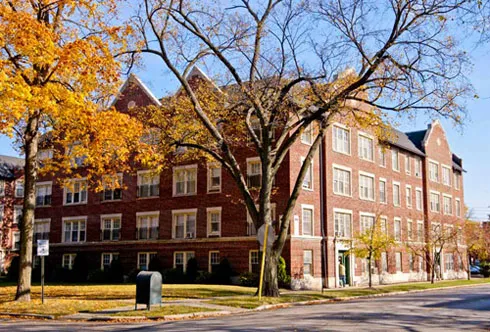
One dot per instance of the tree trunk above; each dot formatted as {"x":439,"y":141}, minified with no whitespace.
{"x":370,"y":273}
{"x":271,"y":285}
{"x":468,"y":264}
{"x":26,"y":226}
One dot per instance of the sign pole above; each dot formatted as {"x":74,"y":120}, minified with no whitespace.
{"x":264,"y":252}
{"x":42,"y":279}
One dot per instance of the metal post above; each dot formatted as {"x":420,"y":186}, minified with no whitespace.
{"x":264,"y":252}
{"x":42,"y":279}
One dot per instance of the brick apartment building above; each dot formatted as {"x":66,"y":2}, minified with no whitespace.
{"x":195,"y":210}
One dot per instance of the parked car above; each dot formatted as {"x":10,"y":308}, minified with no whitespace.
{"x":475,"y":269}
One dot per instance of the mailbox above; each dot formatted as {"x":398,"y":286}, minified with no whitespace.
{"x":148,"y":288}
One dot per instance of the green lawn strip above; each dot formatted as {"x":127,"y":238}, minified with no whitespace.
{"x":252,"y":302}
{"x":164,"y":311}
{"x":58,"y":307}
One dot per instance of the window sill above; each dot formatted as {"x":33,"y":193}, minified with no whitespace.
{"x":342,"y":153}
{"x":184,"y":195}
{"x":74,"y":204}
{"x":367,"y":199}
{"x":112,"y":200}
{"x":368,"y":160}
{"x":148,"y":197}
{"x":218,"y":191}
{"x":308,"y":189}
{"x":43,"y":206}
{"x":342,"y":195}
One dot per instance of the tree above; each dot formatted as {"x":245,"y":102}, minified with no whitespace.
{"x":371,"y":242}
{"x":56,"y":74}
{"x":439,"y":238}
{"x":477,"y":240}
{"x":284,"y":66}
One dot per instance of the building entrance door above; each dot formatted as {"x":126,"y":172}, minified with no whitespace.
{"x":345,"y":259}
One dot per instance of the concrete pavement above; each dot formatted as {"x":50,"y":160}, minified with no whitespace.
{"x":446,"y":310}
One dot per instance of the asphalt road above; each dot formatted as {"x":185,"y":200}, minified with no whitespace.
{"x":441,"y":310}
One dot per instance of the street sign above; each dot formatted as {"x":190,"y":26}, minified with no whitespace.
{"x":43,"y":247}
{"x":270,"y":236}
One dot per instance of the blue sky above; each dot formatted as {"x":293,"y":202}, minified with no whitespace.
{"x":471,"y":141}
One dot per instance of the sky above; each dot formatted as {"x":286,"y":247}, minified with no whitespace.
{"x":471,"y":141}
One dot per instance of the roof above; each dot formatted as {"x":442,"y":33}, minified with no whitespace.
{"x":8,"y":165}
{"x":135,"y":79}
{"x":458,"y":163}
{"x":402,"y":141}
{"x":417,"y":138}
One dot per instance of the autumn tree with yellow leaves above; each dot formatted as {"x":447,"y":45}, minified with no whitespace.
{"x":284,"y":66}
{"x":56,"y":72}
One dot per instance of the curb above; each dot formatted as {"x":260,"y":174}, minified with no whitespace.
{"x":27,"y":315}
{"x":196,"y":315}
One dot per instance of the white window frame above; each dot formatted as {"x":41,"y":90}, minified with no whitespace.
{"x":111,"y":217}
{"x":214,"y":189}
{"x":71,"y":261}
{"x":111,"y":255}
{"x":410,"y":229}
{"x":434,"y":177}
{"x":457,"y":180}
{"x":154,"y":181}
{"x":2,"y":188}
{"x":418,"y":167}
{"x":187,"y":190}
{"x":16,"y":215}
{"x":144,"y":214}
{"x":185,"y":212}
{"x":399,"y":221}
{"x":209,"y":212}
{"x":250,"y":225}
{"x":420,"y":236}
{"x":432,"y":192}
{"x":43,"y":221}
{"x":334,"y":139}
{"x":250,"y":162}
{"x":399,"y":198}
{"x":112,"y":190}
{"x":382,"y":156}
{"x":19,"y":185}
{"x":312,"y":272}
{"x":187,"y":255}
{"x":364,"y":137}
{"x":457,"y":203}
{"x":361,"y":222}
{"x":308,"y":134}
{"x":48,"y":184}
{"x":14,"y":236}
{"x":446,"y":181}
{"x":398,"y":259}
{"x":385,"y":201}
{"x":419,"y":203}
{"x":79,"y":219}
{"x":408,"y":164}
{"x":343,"y":212}
{"x":72,"y":182}
{"x":149,"y":256}
{"x":408,"y":196}
{"x":450,"y":205}
{"x":210,"y":262}
{"x":312,"y":208}
{"x":395,"y":167}
{"x":373,"y":189}
{"x":45,"y":154}
{"x":311,"y":187}
{"x":344,"y":169}
{"x":250,"y":263}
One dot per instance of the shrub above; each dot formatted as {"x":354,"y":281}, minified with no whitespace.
{"x":204,"y":277}
{"x":80,"y":268}
{"x":224,"y":272}
{"x":97,"y":276}
{"x":13,"y":272}
{"x":155,"y":264}
{"x":249,"y":279}
{"x":116,"y":271}
{"x":192,"y":270}
{"x":485,"y":269}
{"x":283,"y":278}
{"x":132,"y":275}
{"x":173,"y":276}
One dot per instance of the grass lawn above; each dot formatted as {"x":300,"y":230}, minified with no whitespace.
{"x":163,"y":311}
{"x":251,"y":302}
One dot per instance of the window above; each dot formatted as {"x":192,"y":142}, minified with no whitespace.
{"x":308,"y":262}
{"x":308,"y":180}
{"x":341,"y":181}
{"x":398,"y":260}
{"x":148,"y":184}
{"x":398,"y":229}
{"x":74,"y":229}
{"x":367,"y":222}
{"x":395,"y":160}
{"x":15,"y":240}
{"x":214,"y":221}
{"x":446,"y":175}
{"x":214,"y":261}
{"x":408,"y":166}
{"x":112,"y":188}
{"x":147,"y":225}
{"x":366,"y":187}
{"x":254,"y":261}
{"x":185,"y":180}
{"x":410,"y":262}
{"x":184,"y":224}
{"x":254,"y":172}
{"x":418,"y":199}
{"x":307,"y":214}
{"x":251,"y":230}
{"x":382,"y":191}
{"x":19,"y":188}
{"x":457,"y":181}
{"x":144,"y":259}
{"x":384,"y":262}
{"x":384,"y":224}
{"x":409,"y":196}
{"x":68,"y":261}
{"x":181,"y":259}
{"x":75,"y":192}
{"x":107,"y":258}
{"x":433,"y":171}
{"x":2,"y":188}
{"x":382,"y":156}
{"x":449,"y":262}
{"x":43,"y":193}
{"x":341,"y":139}
{"x":214,"y":178}
{"x":41,"y":229}
{"x":18,"y":213}
{"x":366,"y":148}
{"x":409,"y":230}
{"x":396,"y":194}
{"x":111,"y":227}
{"x":458,"y":207}
{"x":418,"y":167}
{"x":434,"y":202}
{"x":448,"y":204}
{"x":75,"y":152}
{"x":343,"y":222}
{"x":307,"y":135}
{"x":1,"y":216}
{"x":43,"y":155}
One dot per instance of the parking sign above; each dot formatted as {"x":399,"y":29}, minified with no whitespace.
{"x":43,"y":247}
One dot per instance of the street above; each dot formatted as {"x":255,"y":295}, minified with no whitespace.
{"x":440,"y":310}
